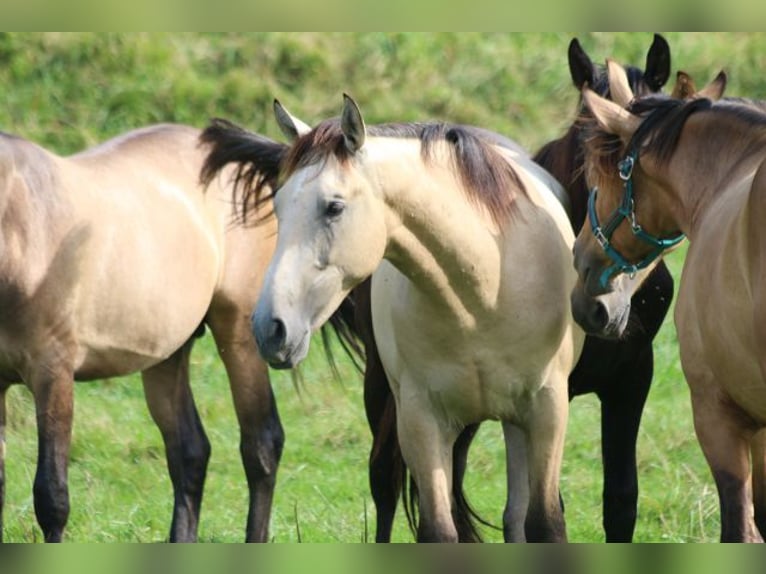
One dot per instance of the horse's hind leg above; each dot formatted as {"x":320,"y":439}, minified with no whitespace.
{"x":261,"y":434}
{"x":385,"y":463}
{"x":621,"y":407}
{"x":53,"y":390}
{"x":3,"y":390}
{"x":386,"y":467}
{"x":171,"y":404}
{"x":724,"y":433}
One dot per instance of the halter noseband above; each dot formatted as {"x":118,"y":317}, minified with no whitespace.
{"x":626,"y":210}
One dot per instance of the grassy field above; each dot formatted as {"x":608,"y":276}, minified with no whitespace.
{"x":69,"y":91}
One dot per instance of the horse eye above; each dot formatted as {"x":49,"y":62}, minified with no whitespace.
{"x":334,"y":208}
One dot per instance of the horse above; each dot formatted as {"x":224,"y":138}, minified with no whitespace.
{"x":113,"y":261}
{"x":618,"y":371}
{"x":692,"y":169}
{"x":442,"y":220}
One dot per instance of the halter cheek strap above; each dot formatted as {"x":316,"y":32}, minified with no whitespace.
{"x":626,"y":210}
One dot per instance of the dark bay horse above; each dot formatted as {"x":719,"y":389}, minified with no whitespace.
{"x":696,"y":169}
{"x":112,"y":261}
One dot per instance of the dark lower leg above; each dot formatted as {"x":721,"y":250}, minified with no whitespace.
{"x":54,"y":406}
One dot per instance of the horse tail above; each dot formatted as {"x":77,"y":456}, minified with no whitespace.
{"x":466,"y":518}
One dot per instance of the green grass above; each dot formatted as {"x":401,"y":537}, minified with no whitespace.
{"x":68,"y":91}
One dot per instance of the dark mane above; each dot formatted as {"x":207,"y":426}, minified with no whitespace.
{"x":564,"y":157}
{"x":257,"y":161}
{"x":663,"y":121}
{"x":488,"y":179}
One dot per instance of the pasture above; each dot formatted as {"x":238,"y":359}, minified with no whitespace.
{"x":68,"y":91}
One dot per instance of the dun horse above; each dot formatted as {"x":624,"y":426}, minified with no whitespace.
{"x":111,"y":261}
{"x":662,"y":170}
{"x":463,"y":336}
{"x":618,"y":371}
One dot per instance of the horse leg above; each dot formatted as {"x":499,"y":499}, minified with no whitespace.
{"x":3,"y":390}
{"x":261,"y":434}
{"x":385,"y":462}
{"x":546,"y":426}
{"x":724,"y":433}
{"x":53,"y":390}
{"x":187,"y":449}
{"x":517,"y":498}
{"x":427,"y":450}
{"x":758,"y":452}
{"x":621,"y":408}
{"x":385,"y":467}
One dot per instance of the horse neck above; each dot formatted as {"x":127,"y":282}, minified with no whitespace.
{"x":447,"y":246}
{"x":563,"y":158}
{"x":713,"y":158}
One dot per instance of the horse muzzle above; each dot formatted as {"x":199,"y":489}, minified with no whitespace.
{"x":596,"y":316}
{"x":280,"y":343}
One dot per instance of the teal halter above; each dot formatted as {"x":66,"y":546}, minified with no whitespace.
{"x":626,"y":210}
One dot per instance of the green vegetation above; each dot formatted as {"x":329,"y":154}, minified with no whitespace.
{"x":69,"y":91}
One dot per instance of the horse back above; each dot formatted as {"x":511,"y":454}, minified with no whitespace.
{"x":118,"y":246}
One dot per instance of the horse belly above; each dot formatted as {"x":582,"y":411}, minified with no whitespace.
{"x":714,"y":319}
{"x":144,"y":291}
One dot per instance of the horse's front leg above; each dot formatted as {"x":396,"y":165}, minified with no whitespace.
{"x":517,"y":471}
{"x":545,"y":430}
{"x":52,"y":385}
{"x":622,"y":404}
{"x":426,"y":444}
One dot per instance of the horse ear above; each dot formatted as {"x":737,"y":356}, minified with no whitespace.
{"x":619,"y":85}
{"x":610,"y":115}
{"x":580,"y":66}
{"x":685,"y":86}
{"x":715,"y":89}
{"x":657,"y":70}
{"x":291,"y":126}
{"x":352,"y":125}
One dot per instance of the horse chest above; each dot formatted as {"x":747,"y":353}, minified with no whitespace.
{"x":485,"y":371}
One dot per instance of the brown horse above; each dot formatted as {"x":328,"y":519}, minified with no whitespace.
{"x":112,"y":261}
{"x":696,"y":169}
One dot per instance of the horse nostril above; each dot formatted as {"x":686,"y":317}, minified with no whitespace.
{"x":599,"y":315}
{"x":278,"y":332}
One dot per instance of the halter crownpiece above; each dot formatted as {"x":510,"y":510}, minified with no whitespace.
{"x":626,"y":210}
